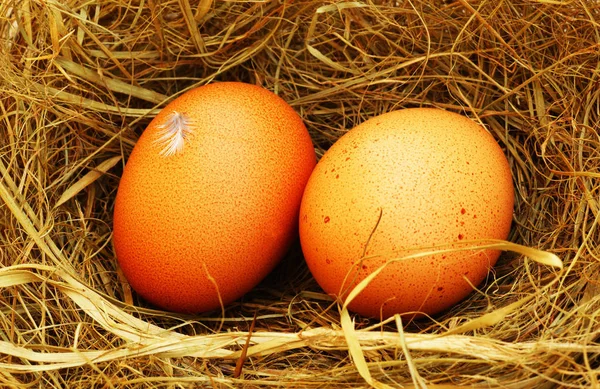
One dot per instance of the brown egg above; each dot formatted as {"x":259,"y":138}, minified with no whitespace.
{"x":208,"y":202}
{"x":404,"y":182}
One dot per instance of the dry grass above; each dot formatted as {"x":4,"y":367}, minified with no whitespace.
{"x":79,"y":80}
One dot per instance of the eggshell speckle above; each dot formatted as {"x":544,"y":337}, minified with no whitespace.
{"x":200,"y":224}
{"x":411,"y":179}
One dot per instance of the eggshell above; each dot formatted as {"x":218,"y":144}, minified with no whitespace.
{"x":404,"y":182}
{"x":199,"y":224}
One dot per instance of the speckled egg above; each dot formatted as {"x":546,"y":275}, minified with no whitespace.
{"x":209,"y":198}
{"x":406,"y":182}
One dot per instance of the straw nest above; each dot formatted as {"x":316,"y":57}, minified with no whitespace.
{"x":81,"y":79}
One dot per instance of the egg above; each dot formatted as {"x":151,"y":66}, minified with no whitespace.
{"x":406,"y":182}
{"x":208,"y":201}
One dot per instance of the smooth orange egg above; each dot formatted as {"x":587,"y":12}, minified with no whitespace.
{"x":209,"y":198}
{"x":401,"y":183}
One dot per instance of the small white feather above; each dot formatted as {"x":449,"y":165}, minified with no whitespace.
{"x":173,"y":133}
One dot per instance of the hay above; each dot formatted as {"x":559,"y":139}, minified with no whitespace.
{"x":80,"y":80}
